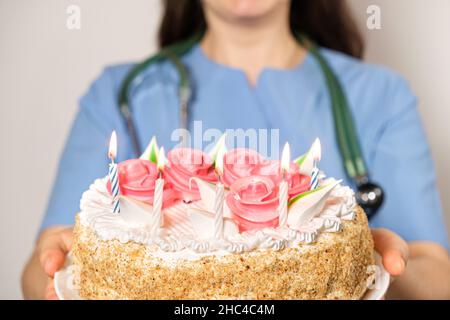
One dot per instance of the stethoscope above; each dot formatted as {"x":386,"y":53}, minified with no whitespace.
{"x":369,"y":195}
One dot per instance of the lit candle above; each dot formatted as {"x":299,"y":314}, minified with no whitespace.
{"x":220,"y":197}
{"x":158,"y":218}
{"x":317,"y":154}
{"x":283,"y":192}
{"x":113,"y":174}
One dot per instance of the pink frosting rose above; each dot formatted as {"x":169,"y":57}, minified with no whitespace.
{"x":253,"y":202}
{"x":137,"y":180}
{"x":185,"y":163}
{"x":240,"y":163}
{"x":297,"y":182}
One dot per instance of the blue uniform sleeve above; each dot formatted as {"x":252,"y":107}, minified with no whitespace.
{"x":85,"y":154}
{"x":402,"y":164}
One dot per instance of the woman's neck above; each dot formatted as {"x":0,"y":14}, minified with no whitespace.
{"x":252,"y":45}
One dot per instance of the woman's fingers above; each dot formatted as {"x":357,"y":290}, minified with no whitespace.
{"x":52,"y":260}
{"x":393,"y":249}
{"x":53,"y":247}
{"x":50,"y":293}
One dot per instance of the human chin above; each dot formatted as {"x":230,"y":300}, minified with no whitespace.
{"x":244,"y":9}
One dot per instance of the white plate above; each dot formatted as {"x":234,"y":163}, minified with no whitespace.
{"x":66,"y":290}
{"x":382,"y":281}
{"x":63,"y":281}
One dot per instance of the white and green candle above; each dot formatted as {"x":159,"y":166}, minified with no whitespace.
{"x":158,"y":218}
{"x":220,"y":197}
{"x":283,"y":192}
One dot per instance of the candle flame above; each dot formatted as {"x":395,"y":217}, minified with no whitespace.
{"x":317,"y":150}
{"x":219,"y":161}
{"x":112,"y":153}
{"x":285,"y":158}
{"x":161,"y":159}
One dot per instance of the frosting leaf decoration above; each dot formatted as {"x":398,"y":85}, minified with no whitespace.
{"x":302,"y":195}
{"x":203,"y":224}
{"x":306,"y":162}
{"x":207,"y":194}
{"x":151,"y":152}
{"x":306,"y":206}
{"x":134,"y":212}
{"x":300,"y":159}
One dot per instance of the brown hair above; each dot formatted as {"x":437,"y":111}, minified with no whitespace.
{"x":327,"y":22}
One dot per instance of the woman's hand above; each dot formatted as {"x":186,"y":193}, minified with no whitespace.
{"x":393,"y":250}
{"x":48,"y":257}
{"x":421,"y":269}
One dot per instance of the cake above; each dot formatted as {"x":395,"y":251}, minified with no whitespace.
{"x":307,"y":239}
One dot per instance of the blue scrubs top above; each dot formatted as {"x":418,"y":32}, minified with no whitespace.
{"x":295,"y":101}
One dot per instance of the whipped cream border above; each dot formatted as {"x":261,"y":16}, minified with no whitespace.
{"x":179,"y":241}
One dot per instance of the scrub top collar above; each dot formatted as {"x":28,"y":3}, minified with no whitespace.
{"x":202,"y":67}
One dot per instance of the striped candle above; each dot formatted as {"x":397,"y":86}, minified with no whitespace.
{"x":283,"y":202}
{"x":315,"y":177}
{"x":113,"y":173}
{"x":115,"y":189}
{"x":316,"y":151}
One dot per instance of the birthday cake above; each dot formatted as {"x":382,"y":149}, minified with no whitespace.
{"x":224,"y":225}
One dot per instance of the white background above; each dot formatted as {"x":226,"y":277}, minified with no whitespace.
{"x":44,"y":68}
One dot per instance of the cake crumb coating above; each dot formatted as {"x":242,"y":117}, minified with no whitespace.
{"x":334,"y":267}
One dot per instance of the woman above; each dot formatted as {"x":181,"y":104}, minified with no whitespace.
{"x":250,"y":72}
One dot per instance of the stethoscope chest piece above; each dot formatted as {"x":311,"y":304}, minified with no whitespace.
{"x":369,"y":196}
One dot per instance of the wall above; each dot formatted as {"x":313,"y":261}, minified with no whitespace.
{"x":414,"y":39}
{"x":44,"y":68}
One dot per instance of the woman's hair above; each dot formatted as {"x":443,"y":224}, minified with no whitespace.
{"x":327,"y":22}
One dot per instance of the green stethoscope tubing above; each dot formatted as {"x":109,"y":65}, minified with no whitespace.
{"x":171,"y":53}
{"x":344,"y":124}
{"x":347,"y":138}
